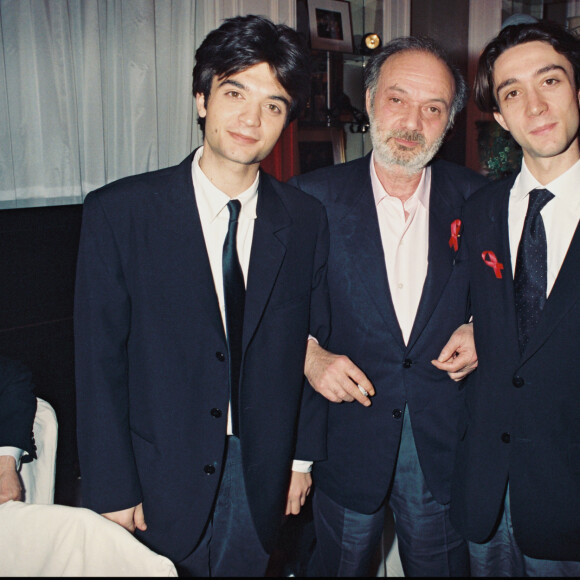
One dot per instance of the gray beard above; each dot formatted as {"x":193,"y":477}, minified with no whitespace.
{"x":389,"y":154}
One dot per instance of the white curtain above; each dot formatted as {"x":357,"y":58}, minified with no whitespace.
{"x":91,"y":91}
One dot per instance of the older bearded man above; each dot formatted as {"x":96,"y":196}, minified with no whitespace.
{"x":398,"y":289}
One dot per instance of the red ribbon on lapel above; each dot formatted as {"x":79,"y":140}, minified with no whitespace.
{"x":490,"y":259}
{"x":455,"y":232}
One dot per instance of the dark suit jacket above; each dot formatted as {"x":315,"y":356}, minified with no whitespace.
{"x":522,"y":415}
{"x":152,"y":364}
{"x":17,"y":406}
{"x":363,"y":442}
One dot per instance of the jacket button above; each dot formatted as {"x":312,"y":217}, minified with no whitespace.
{"x":407,"y":363}
{"x":397,"y":413}
{"x":505,"y":437}
{"x":216,"y":413}
{"x":518,"y":382}
{"x":220,"y":356}
{"x":209,"y":469}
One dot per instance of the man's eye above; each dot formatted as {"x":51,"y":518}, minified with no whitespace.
{"x":552,"y":82}
{"x":234,"y":94}
{"x":274,"y":108}
{"x":434,"y":110}
{"x":511,"y":94}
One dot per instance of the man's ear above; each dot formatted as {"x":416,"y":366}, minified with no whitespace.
{"x":200,"y":104}
{"x":499,"y":118}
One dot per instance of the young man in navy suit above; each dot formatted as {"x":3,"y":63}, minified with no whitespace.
{"x":516,"y":485}
{"x":398,"y":289}
{"x":197,"y":288}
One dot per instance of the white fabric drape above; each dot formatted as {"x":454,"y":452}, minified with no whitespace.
{"x":91,"y":91}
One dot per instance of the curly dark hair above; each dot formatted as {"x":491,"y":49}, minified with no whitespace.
{"x":245,"y":41}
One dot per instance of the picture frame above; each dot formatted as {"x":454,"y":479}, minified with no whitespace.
{"x":330,"y":25}
{"x":320,"y":147}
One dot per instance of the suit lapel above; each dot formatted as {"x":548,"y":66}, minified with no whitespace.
{"x":182,"y":224}
{"x":268,"y":250}
{"x":441,"y":257}
{"x":565,"y":293}
{"x":493,"y":235}
{"x":360,"y":229}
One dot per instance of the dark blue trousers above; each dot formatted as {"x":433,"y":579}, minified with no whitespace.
{"x":347,"y":541}
{"x":230,"y":545}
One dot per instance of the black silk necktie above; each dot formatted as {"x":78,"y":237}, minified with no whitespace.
{"x":530,"y":280}
{"x":234,"y":295}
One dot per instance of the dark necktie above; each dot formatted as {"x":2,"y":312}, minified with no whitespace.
{"x":531,"y":267}
{"x":234,"y":295}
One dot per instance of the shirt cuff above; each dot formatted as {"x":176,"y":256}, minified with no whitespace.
{"x":12,"y":452}
{"x":310,"y":337}
{"x":302,"y":466}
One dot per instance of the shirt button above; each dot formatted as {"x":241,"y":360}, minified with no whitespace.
{"x":220,"y":356}
{"x":399,"y":285}
{"x":518,"y":382}
{"x":209,"y":469}
{"x":407,"y":363}
{"x":397,"y":413}
{"x":216,"y":413}
{"x":505,"y":437}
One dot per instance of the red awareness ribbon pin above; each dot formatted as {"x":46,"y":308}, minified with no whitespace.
{"x":455,"y":232}
{"x":490,"y":259}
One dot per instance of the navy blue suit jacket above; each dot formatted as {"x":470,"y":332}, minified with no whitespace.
{"x":152,"y":363}
{"x":522,"y":412}
{"x":17,"y":406}
{"x":363,"y":442}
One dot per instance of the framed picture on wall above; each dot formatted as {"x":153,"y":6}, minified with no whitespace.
{"x":330,"y":25}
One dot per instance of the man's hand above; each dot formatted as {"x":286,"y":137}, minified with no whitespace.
{"x":300,"y":484}
{"x":10,"y":488}
{"x":130,"y":519}
{"x":336,"y":377}
{"x":458,"y":357}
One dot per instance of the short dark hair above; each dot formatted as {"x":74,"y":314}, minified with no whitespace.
{"x":372,"y":71}
{"x":245,"y":41}
{"x":557,"y":37}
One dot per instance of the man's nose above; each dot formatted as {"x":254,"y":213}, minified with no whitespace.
{"x":413,"y":119}
{"x":250,"y":115}
{"x":536,"y":104}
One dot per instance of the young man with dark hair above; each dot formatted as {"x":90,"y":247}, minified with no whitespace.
{"x":197,"y":287}
{"x":515,"y":492}
{"x":398,"y":290}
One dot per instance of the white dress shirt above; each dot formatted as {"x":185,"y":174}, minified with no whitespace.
{"x":560,"y":215}
{"x":214,"y":216}
{"x":405,"y":245}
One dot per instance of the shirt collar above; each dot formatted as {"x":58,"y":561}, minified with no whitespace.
{"x":564,"y":187}
{"x":421,"y":194}
{"x":215,"y":200}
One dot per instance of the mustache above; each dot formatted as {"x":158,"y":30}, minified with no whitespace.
{"x":414,"y":136}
